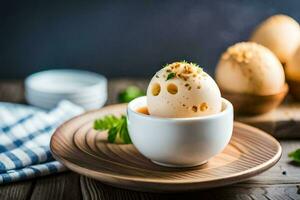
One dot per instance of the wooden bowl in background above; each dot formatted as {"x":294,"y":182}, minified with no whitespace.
{"x":294,"y":89}
{"x":249,"y":104}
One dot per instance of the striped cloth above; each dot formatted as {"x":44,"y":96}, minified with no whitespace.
{"x":25,"y":134}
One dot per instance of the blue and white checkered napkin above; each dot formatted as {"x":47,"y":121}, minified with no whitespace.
{"x":25,"y":137}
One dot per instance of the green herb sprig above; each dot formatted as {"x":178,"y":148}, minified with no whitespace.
{"x":170,"y":76}
{"x":295,"y":155}
{"x":129,"y":94}
{"x":116,"y":127}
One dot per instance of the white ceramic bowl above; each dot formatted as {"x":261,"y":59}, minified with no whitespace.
{"x":45,"y":89}
{"x":179,"y":142}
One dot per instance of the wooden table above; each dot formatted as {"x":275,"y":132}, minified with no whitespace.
{"x":280,"y":182}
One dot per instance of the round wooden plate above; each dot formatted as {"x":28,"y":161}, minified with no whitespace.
{"x":84,"y":150}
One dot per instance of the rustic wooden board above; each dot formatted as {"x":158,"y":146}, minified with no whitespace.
{"x":283,"y":122}
{"x":17,"y":191}
{"x":96,"y":190}
{"x":48,"y":187}
{"x":60,"y":187}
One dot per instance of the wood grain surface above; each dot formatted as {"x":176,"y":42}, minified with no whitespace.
{"x":78,"y":146}
{"x":279,"y":182}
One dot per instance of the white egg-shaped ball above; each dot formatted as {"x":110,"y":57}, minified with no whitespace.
{"x":279,"y":33}
{"x":250,"y":68}
{"x":182,"y":90}
{"x":292,"y":69}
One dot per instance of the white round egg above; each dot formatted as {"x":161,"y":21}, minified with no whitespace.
{"x":292,"y":69}
{"x":181,"y":90}
{"x":250,"y":68}
{"x":279,"y":33}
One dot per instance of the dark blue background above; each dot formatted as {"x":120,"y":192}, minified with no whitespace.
{"x":125,"y":38}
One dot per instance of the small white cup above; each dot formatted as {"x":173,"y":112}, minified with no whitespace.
{"x":179,"y":142}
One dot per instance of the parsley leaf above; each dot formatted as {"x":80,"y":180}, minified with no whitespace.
{"x":105,"y":123}
{"x":124,"y":132}
{"x":117,"y":128}
{"x":112,"y":134}
{"x":130,"y":93}
{"x":295,"y":155}
{"x":170,"y":76}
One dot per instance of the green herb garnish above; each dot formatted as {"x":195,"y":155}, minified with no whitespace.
{"x":117,"y":128}
{"x":170,"y":76}
{"x":130,"y":93}
{"x":295,"y":155}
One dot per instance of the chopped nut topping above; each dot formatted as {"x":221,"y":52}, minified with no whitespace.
{"x":241,"y":52}
{"x":184,"y":70}
{"x":203,"y":107}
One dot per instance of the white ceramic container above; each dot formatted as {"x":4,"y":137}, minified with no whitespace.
{"x":179,"y":142}
{"x":45,"y":89}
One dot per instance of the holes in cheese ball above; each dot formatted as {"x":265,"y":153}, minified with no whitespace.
{"x":155,"y":89}
{"x":172,"y":88}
